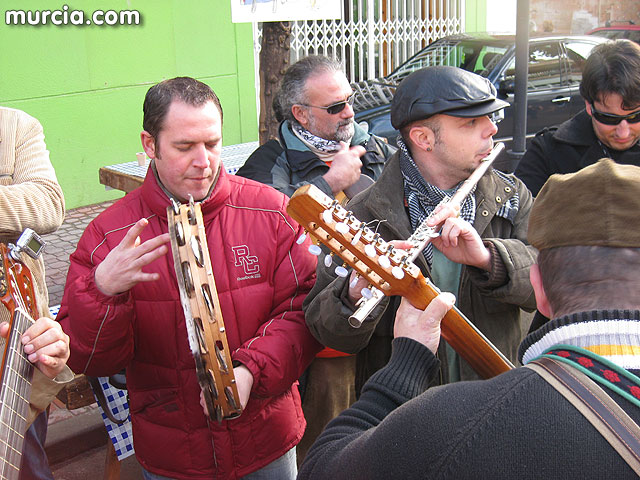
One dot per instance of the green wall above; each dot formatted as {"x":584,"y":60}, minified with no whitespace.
{"x":476,"y":15}
{"x":86,"y":84}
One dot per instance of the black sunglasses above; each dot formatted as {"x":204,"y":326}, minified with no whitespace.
{"x":336,"y":108}
{"x":613,"y":119}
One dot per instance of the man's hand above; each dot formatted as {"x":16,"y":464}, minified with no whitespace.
{"x":355,"y":291}
{"x":345,"y":168}
{"x":423,"y":326}
{"x":244,"y":382}
{"x":122,"y":267}
{"x":458,"y":240}
{"x":45,"y":344}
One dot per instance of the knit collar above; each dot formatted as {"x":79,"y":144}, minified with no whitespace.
{"x":612,"y":334}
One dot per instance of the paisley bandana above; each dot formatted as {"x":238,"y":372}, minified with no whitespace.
{"x":315,"y":142}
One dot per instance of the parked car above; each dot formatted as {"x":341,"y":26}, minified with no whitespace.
{"x":615,"y":30}
{"x":555,"y":71}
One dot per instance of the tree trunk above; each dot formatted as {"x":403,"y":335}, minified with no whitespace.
{"x":274,"y":60}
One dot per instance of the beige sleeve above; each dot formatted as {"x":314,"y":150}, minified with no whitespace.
{"x":30,"y":195}
{"x":44,"y":390}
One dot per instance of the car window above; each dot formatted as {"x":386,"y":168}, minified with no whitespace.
{"x":473,"y":56}
{"x":577,"y":53}
{"x":545,"y":67}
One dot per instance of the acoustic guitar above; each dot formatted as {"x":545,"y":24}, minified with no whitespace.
{"x":390,"y":271}
{"x":17,"y":295}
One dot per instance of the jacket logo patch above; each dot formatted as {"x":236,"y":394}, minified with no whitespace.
{"x":248,"y":262}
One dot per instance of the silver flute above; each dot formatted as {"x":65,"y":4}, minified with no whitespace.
{"x":424,"y":233}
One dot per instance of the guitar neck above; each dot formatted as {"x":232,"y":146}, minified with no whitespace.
{"x":390,"y":272}
{"x":15,"y":388}
{"x":461,"y":334}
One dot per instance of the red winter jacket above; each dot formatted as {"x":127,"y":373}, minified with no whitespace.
{"x":262,"y":276}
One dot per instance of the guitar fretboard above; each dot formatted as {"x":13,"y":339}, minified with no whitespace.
{"x":15,"y":388}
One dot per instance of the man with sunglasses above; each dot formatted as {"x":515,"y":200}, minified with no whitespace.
{"x":609,"y":126}
{"x":319,"y":144}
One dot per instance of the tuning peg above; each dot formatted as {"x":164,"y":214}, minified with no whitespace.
{"x":356,"y":237}
{"x":315,"y":250}
{"x":327,"y":216}
{"x":397,"y":272}
{"x":370,"y":250}
{"x":302,"y":238}
{"x":366,"y":293}
{"x":328,"y":260}
{"x":341,"y":271}
{"x":354,"y":281}
{"x":342,"y":227}
{"x":384,"y":261}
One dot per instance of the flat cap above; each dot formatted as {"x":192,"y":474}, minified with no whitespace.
{"x":598,"y":205}
{"x":443,"y":89}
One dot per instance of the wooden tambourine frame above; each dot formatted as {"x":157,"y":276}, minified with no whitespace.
{"x":203,"y":315}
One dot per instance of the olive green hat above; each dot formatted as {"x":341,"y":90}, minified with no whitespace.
{"x":598,"y":205}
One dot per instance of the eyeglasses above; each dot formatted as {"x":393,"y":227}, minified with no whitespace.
{"x":613,"y":119}
{"x":336,"y":108}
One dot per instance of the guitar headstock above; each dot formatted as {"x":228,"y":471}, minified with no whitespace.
{"x":16,"y":284}
{"x":385,"y":267}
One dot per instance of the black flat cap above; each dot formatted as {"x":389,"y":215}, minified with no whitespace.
{"x":442,"y":89}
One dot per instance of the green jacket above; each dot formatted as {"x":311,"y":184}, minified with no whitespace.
{"x":491,"y":304}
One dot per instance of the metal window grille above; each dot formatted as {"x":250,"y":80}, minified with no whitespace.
{"x":376,"y":36}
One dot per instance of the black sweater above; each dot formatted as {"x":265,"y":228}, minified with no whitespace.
{"x":514,"y":426}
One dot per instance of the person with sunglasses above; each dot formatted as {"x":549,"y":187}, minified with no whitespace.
{"x":319,"y":143}
{"x":609,"y":126}
{"x":445,"y":118}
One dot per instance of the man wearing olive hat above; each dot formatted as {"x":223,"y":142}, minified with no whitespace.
{"x":517,"y":425}
{"x":443,"y":115}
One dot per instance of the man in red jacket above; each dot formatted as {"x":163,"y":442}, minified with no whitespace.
{"x":122,"y":307}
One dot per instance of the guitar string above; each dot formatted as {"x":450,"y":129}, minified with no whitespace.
{"x":16,"y":372}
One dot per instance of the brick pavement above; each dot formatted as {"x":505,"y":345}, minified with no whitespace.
{"x":62,"y":243}
{"x":76,"y":439}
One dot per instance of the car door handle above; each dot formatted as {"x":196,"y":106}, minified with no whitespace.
{"x":561,"y":99}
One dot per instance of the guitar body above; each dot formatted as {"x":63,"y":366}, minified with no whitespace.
{"x":389,"y":271}
{"x":17,"y":295}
